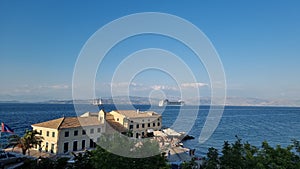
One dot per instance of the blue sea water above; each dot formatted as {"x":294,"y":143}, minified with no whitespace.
{"x":277,"y":125}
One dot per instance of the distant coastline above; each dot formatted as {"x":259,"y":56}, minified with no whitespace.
{"x":242,"y":102}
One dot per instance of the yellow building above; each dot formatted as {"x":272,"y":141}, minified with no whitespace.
{"x":137,"y":122}
{"x":69,"y":134}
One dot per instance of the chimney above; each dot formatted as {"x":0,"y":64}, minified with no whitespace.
{"x":137,"y":111}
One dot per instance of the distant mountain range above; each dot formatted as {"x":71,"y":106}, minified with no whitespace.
{"x":234,"y":101}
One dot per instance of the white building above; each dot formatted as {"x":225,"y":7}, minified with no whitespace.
{"x":139,"y":123}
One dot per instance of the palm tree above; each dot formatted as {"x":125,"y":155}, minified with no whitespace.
{"x":29,"y":140}
{"x":13,"y":141}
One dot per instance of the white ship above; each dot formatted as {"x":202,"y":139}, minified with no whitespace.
{"x":97,"y":102}
{"x":166,"y":102}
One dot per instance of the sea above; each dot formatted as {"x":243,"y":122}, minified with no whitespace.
{"x":276,"y":125}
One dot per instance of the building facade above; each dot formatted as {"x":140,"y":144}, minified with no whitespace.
{"x":68,"y":134}
{"x":138,"y":123}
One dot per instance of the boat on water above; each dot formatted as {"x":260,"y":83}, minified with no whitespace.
{"x":166,"y":102}
{"x":97,"y":102}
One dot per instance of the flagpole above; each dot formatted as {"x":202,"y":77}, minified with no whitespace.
{"x":1,"y":137}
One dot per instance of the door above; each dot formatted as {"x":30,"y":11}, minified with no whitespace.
{"x":66,"y":147}
{"x":75,"y":146}
{"x":83,"y":144}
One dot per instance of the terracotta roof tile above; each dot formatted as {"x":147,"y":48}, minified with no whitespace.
{"x":138,"y":114}
{"x":69,"y":122}
{"x":117,"y":126}
{"x":53,"y":124}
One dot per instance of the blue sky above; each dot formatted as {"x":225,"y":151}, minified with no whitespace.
{"x":258,"y":44}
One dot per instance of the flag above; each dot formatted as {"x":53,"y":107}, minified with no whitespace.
{"x":5,"y":128}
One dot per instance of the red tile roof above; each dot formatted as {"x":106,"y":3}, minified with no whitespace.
{"x":69,"y":122}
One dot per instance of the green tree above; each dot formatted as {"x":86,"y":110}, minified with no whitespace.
{"x":104,"y":158}
{"x":13,"y":141}
{"x":250,"y":155}
{"x":245,"y":156}
{"x":296,"y":145}
{"x":46,"y":163}
{"x":189,"y":165}
{"x":212,"y":161}
{"x":233,"y":155}
{"x":83,"y":160}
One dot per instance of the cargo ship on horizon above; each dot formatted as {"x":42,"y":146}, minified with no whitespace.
{"x":166,"y":102}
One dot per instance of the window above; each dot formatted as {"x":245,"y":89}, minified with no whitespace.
{"x":66,"y":133}
{"x":47,"y":134}
{"x":143,"y":125}
{"x":153,"y":124}
{"x":131,"y":126}
{"x":83,"y":132}
{"x":98,"y":140}
{"x":46,"y":148}
{"x":136,"y":135}
{"x":74,"y":145}
{"x":66,"y":147}
{"x":137,"y":126}
{"x":158,"y":123}
{"x":76,"y":133}
{"x":52,"y":148}
{"x":117,"y":119}
{"x":148,"y":124}
{"x":91,"y":131}
{"x":53,"y":134}
{"x":41,"y":132}
{"x":92,"y":144}
{"x":99,"y":130}
{"x":131,"y":121}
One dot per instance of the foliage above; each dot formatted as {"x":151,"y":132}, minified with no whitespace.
{"x":129,"y":147}
{"x":240,"y":155}
{"x":13,"y":141}
{"x":83,"y":160}
{"x":45,"y":163}
{"x":189,"y":165}
{"x":105,"y":159}
{"x":212,"y":161}
{"x":30,"y":139}
{"x":236,"y":155}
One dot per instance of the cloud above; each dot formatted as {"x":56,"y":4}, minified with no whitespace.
{"x":193,"y":85}
{"x":26,"y":89}
{"x":142,"y":87}
{"x":123,"y":84}
{"x":163,"y":87}
{"x":22,"y":91}
{"x":55,"y":87}
{"x":38,"y":92}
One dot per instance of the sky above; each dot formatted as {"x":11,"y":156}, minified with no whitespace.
{"x":258,"y":43}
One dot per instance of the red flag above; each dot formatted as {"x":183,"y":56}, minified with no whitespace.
{"x":5,"y":128}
